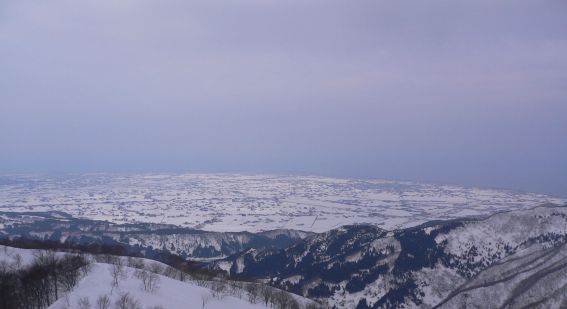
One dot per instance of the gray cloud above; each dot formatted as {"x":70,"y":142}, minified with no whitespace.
{"x":469,"y":92}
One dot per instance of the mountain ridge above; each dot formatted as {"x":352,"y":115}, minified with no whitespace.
{"x":402,"y":268}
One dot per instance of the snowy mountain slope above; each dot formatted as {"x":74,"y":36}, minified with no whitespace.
{"x":184,"y":242}
{"x":169,"y":294}
{"x":147,"y":284}
{"x":421,"y":267}
{"x":236,"y":202}
{"x":533,"y":277}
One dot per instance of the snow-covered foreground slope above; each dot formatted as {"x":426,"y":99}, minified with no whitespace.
{"x":169,"y":294}
{"x":146,"y":283}
{"x":232,"y":202}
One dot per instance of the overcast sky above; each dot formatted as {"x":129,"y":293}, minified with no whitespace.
{"x":463,"y":92}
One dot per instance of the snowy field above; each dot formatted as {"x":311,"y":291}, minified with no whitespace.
{"x":238,"y":202}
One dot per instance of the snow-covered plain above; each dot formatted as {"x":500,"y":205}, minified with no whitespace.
{"x":240,"y":202}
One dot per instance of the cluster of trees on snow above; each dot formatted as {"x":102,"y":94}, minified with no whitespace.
{"x":38,"y":285}
{"x":124,"y":301}
{"x":253,"y":292}
{"x":147,"y":274}
{"x":219,"y":285}
{"x":176,"y":268}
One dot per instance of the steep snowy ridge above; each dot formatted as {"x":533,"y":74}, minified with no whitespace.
{"x":443,"y":263}
{"x":533,"y":277}
{"x":184,"y":242}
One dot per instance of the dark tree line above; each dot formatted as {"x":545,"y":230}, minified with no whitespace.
{"x":40,"y":284}
{"x":192,"y":268}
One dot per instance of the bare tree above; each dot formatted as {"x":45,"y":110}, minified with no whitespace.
{"x":87,"y":267}
{"x":150,"y":281}
{"x":182,"y":276}
{"x":253,"y":292}
{"x":283,"y":300}
{"x":205,"y":298}
{"x":18,"y":260}
{"x":219,"y":289}
{"x":135,"y":262}
{"x":4,"y":266}
{"x":106,"y":258}
{"x":153,"y":282}
{"x":103,"y":302}
{"x":200,"y":279}
{"x":125,"y":301}
{"x":236,"y":288}
{"x":84,"y":303}
{"x":267,"y":294}
{"x":117,"y":271}
{"x":156,"y":268}
{"x":169,"y":272}
{"x":143,"y":276}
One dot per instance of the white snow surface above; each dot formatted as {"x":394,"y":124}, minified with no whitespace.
{"x":8,"y":255}
{"x":170,"y":293}
{"x":241,"y":202}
